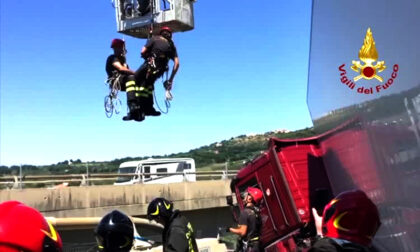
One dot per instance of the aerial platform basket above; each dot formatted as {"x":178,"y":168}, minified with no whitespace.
{"x":134,"y":17}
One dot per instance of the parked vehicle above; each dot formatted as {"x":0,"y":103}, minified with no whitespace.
{"x":157,"y":171}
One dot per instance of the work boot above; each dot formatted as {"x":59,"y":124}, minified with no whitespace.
{"x":140,"y":117}
{"x":128,"y":117}
{"x":152,"y":112}
{"x":134,"y":112}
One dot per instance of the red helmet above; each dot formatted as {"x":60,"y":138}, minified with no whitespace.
{"x":165,"y":28}
{"x":23,"y":228}
{"x":255,"y":193}
{"x":351,"y":216}
{"x":117,"y":43}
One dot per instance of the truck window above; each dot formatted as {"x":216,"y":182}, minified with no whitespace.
{"x":125,"y":170}
{"x":183,"y":166}
{"x":146,"y":169}
{"x":180,"y":167}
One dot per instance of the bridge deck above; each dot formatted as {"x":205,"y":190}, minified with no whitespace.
{"x":96,"y":201}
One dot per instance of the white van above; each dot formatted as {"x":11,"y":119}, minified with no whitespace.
{"x":162,"y":166}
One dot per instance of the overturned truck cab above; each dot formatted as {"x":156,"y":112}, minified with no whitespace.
{"x":292,"y":177}
{"x":297,"y":175}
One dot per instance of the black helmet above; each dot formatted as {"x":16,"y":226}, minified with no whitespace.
{"x":115,"y":232}
{"x":159,"y":207}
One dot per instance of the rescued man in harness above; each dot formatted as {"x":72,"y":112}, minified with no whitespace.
{"x":249,"y":223}
{"x":121,"y":75}
{"x":157,"y":52}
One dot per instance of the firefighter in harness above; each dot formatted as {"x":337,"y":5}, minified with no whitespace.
{"x":118,"y":71}
{"x":157,"y":52}
{"x":249,"y":224}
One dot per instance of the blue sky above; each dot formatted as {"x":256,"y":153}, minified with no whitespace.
{"x":243,"y":70}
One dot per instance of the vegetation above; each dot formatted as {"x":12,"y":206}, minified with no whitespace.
{"x":233,"y":153}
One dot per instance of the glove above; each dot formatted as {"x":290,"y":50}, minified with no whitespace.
{"x":224,"y":229}
{"x":167,"y":85}
{"x":168,"y":95}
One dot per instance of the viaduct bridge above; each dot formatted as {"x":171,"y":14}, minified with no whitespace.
{"x":96,"y":201}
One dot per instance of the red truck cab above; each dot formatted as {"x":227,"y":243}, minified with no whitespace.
{"x":283,"y":173}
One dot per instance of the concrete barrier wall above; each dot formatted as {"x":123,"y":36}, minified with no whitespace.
{"x":132,"y":199}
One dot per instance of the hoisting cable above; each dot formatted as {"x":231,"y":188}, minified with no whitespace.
{"x":153,"y":19}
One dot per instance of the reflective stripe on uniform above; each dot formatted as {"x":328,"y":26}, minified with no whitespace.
{"x":144,"y":90}
{"x":142,"y":95}
{"x":130,"y":89}
{"x":130,"y":83}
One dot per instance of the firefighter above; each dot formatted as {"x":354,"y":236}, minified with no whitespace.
{"x":143,"y":7}
{"x":178,"y":234}
{"x":349,"y":223}
{"x":157,"y":52}
{"x":23,"y":228}
{"x":249,"y":224}
{"x":115,"y":232}
{"x":118,"y":70}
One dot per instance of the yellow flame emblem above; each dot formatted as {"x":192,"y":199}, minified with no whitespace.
{"x":52,"y":234}
{"x":336,"y":222}
{"x":368,"y":55}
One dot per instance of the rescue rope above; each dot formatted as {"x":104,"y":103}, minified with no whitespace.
{"x":168,"y":97}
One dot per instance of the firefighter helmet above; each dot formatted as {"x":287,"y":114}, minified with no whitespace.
{"x":256,"y":194}
{"x":23,"y":228}
{"x":117,"y":43}
{"x":160,"y":207}
{"x":115,"y":232}
{"x":351,"y":216}
{"x":165,"y":28}
{"x":166,"y":32}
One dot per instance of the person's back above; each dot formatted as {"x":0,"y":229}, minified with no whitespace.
{"x":179,"y":234}
{"x":162,"y":49}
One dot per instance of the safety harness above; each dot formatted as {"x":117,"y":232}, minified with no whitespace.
{"x":248,"y":241}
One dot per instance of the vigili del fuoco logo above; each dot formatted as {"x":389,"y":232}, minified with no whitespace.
{"x":368,"y":70}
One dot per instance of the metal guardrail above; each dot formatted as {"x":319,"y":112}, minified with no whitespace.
{"x":84,"y":179}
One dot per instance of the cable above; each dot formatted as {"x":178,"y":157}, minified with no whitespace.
{"x":167,"y":101}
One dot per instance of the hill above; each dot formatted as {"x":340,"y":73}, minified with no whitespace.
{"x":233,"y":153}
